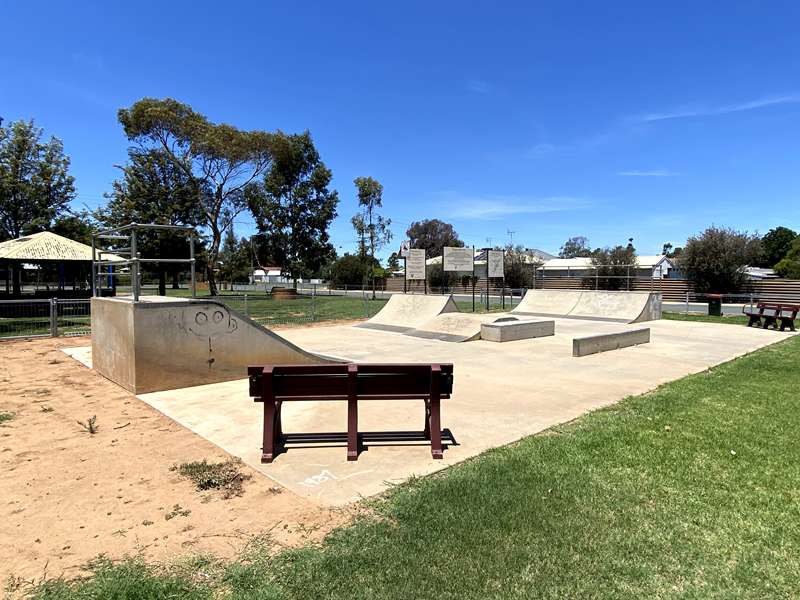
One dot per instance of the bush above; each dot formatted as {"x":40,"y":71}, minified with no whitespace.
{"x":225,"y":476}
{"x":789,"y":266}
{"x":715,"y":259}
{"x":613,"y":268}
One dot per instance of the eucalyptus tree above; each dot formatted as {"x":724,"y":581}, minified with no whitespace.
{"x":372,"y":227}
{"x":218,"y":158}
{"x":294,"y":206}
{"x":35,"y":184}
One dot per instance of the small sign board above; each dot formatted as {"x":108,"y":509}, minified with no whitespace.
{"x":404,"y":248}
{"x":415,"y":264}
{"x":458,"y":259}
{"x":495,"y":263}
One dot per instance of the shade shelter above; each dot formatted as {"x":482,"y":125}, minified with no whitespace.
{"x":62,"y":265}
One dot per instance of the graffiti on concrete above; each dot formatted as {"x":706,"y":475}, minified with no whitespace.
{"x":210,"y":321}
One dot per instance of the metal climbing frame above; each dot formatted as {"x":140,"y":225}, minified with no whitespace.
{"x":127,"y":233}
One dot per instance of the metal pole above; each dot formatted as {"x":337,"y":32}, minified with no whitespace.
{"x":94,"y":286}
{"x":134,"y":267}
{"x":191,"y":264}
{"x":53,"y":317}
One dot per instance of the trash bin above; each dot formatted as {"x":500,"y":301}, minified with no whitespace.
{"x":714,"y":305}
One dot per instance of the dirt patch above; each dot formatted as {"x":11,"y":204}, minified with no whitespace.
{"x":68,"y":495}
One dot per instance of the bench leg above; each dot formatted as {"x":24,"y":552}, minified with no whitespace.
{"x":754,"y":321}
{"x":426,"y":431}
{"x":352,"y":430}
{"x":271,"y":426}
{"x":436,"y":429}
{"x":787,"y":323}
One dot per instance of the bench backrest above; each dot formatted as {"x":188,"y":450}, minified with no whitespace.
{"x":333,"y":382}
{"x":790,"y":310}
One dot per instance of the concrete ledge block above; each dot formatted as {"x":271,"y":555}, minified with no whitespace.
{"x":593,"y":344}
{"x":509,"y":331}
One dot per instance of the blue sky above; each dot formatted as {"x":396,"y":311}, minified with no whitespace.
{"x":604,"y":119}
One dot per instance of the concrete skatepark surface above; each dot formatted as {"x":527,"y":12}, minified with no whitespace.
{"x":502,"y":393}
{"x":404,"y":312}
{"x":455,"y":327}
{"x":618,"y":307}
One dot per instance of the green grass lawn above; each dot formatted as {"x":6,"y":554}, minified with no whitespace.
{"x":691,"y":491}
{"x":730,"y":319}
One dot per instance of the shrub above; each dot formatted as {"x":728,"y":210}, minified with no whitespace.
{"x":715,"y":259}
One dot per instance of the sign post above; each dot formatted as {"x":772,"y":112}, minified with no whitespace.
{"x":460,"y":260}
{"x":495,"y":269}
{"x":415,"y":265}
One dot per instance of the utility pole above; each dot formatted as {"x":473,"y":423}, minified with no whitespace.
{"x":511,"y":235}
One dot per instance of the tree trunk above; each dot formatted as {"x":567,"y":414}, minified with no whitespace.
{"x":162,"y":281}
{"x":213,"y":255}
{"x":175,"y":281}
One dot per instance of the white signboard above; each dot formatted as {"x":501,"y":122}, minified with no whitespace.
{"x":458,"y":259}
{"x":404,"y":248}
{"x":495,"y":263}
{"x":415,"y":264}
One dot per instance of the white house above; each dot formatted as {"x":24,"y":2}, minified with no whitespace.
{"x":656,"y":267}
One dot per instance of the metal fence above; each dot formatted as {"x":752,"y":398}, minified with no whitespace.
{"x":44,"y":317}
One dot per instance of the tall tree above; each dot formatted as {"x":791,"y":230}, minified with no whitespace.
{"x":77,"y":226}
{"x":153,"y":189}
{"x":294,"y":207}
{"x":219,"y":159}
{"x":35,"y":184}
{"x":373,"y":228}
{"x":613,"y":268}
{"x":575,"y":247}
{"x":235,"y":259}
{"x":776,"y":244}
{"x":789,"y":265}
{"x":432,"y":235}
{"x":715,"y":259}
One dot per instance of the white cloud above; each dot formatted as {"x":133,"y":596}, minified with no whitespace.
{"x":493,"y":208}
{"x":479,"y":86}
{"x":651,"y":173}
{"x":706,"y":111}
{"x":539,"y":150}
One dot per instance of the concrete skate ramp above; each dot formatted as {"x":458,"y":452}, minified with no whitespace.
{"x":624,"y":307}
{"x":455,"y":327}
{"x":551,"y":303}
{"x":597,"y":305}
{"x":167,"y":343}
{"x":404,"y":312}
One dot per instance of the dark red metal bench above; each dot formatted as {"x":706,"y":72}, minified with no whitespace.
{"x":788,"y":315}
{"x":770,"y":314}
{"x":275,"y":384}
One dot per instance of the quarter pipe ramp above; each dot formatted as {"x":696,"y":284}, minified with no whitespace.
{"x":167,"y":343}
{"x":596,"y":305}
{"x":404,"y":312}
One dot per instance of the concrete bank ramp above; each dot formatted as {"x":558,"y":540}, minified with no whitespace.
{"x":597,"y":305}
{"x":455,"y":327}
{"x":167,"y":343}
{"x":404,"y":312}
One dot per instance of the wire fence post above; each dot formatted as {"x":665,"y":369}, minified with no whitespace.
{"x":53,"y":317}
{"x":687,"y":303}
{"x":313,"y":303}
{"x":247,"y":314}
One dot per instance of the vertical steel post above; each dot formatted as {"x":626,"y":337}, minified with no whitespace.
{"x":134,"y":266}
{"x":53,"y":317}
{"x":94,"y":283}
{"x":247,"y":314}
{"x":191,"y":263}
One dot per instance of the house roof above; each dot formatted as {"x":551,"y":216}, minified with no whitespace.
{"x":48,"y":246}
{"x":644,"y":262}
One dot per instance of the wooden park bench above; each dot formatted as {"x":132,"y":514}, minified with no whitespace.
{"x":770,"y":314}
{"x":275,"y":384}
